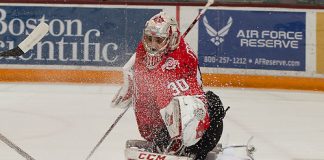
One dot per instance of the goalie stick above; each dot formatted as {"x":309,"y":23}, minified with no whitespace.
{"x":37,"y":34}
{"x":209,"y":3}
{"x":107,"y":132}
{"x":15,"y":147}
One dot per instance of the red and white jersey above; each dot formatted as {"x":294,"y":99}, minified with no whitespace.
{"x":177,"y":74}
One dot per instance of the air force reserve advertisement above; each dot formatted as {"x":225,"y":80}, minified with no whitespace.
{"x":252,"y":40}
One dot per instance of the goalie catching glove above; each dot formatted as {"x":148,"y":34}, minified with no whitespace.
{"x":123,"y":98}
{"x":186,"y":118}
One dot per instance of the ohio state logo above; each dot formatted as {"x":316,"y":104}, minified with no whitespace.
{"x":170,"y":64}
{"x":199,"y":114}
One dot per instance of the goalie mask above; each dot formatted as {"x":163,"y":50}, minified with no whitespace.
{"x":161,"y":34}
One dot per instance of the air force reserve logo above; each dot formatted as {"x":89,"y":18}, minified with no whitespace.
{"x":217,"y":36}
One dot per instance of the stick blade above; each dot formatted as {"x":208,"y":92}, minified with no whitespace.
{"x":12,"y":52}
{"x":38,"y":33}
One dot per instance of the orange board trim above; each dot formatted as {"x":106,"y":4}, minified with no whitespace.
{"x":212,"y":80}
{"x":49,"y":75}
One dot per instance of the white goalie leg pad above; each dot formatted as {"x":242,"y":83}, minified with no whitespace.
{"x":186,"y":118}
{"x":171,"y":117}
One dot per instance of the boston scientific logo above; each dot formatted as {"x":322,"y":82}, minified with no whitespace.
{"x":217,"y":36}
{"x":69,"y":42}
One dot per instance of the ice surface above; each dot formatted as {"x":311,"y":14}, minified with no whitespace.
{"x":64,"y":121}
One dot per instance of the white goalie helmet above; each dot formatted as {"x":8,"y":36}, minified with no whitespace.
{"x":161,"y":34}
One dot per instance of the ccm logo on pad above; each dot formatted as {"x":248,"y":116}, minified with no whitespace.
{"x":151,"y":156}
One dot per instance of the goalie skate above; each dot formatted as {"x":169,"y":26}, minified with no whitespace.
{"x":229,"y":152}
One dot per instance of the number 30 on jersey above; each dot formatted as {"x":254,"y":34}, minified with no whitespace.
{"x":178,"y":86}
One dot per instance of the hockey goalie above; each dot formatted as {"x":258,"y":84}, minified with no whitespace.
{"x":162,"y":81}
